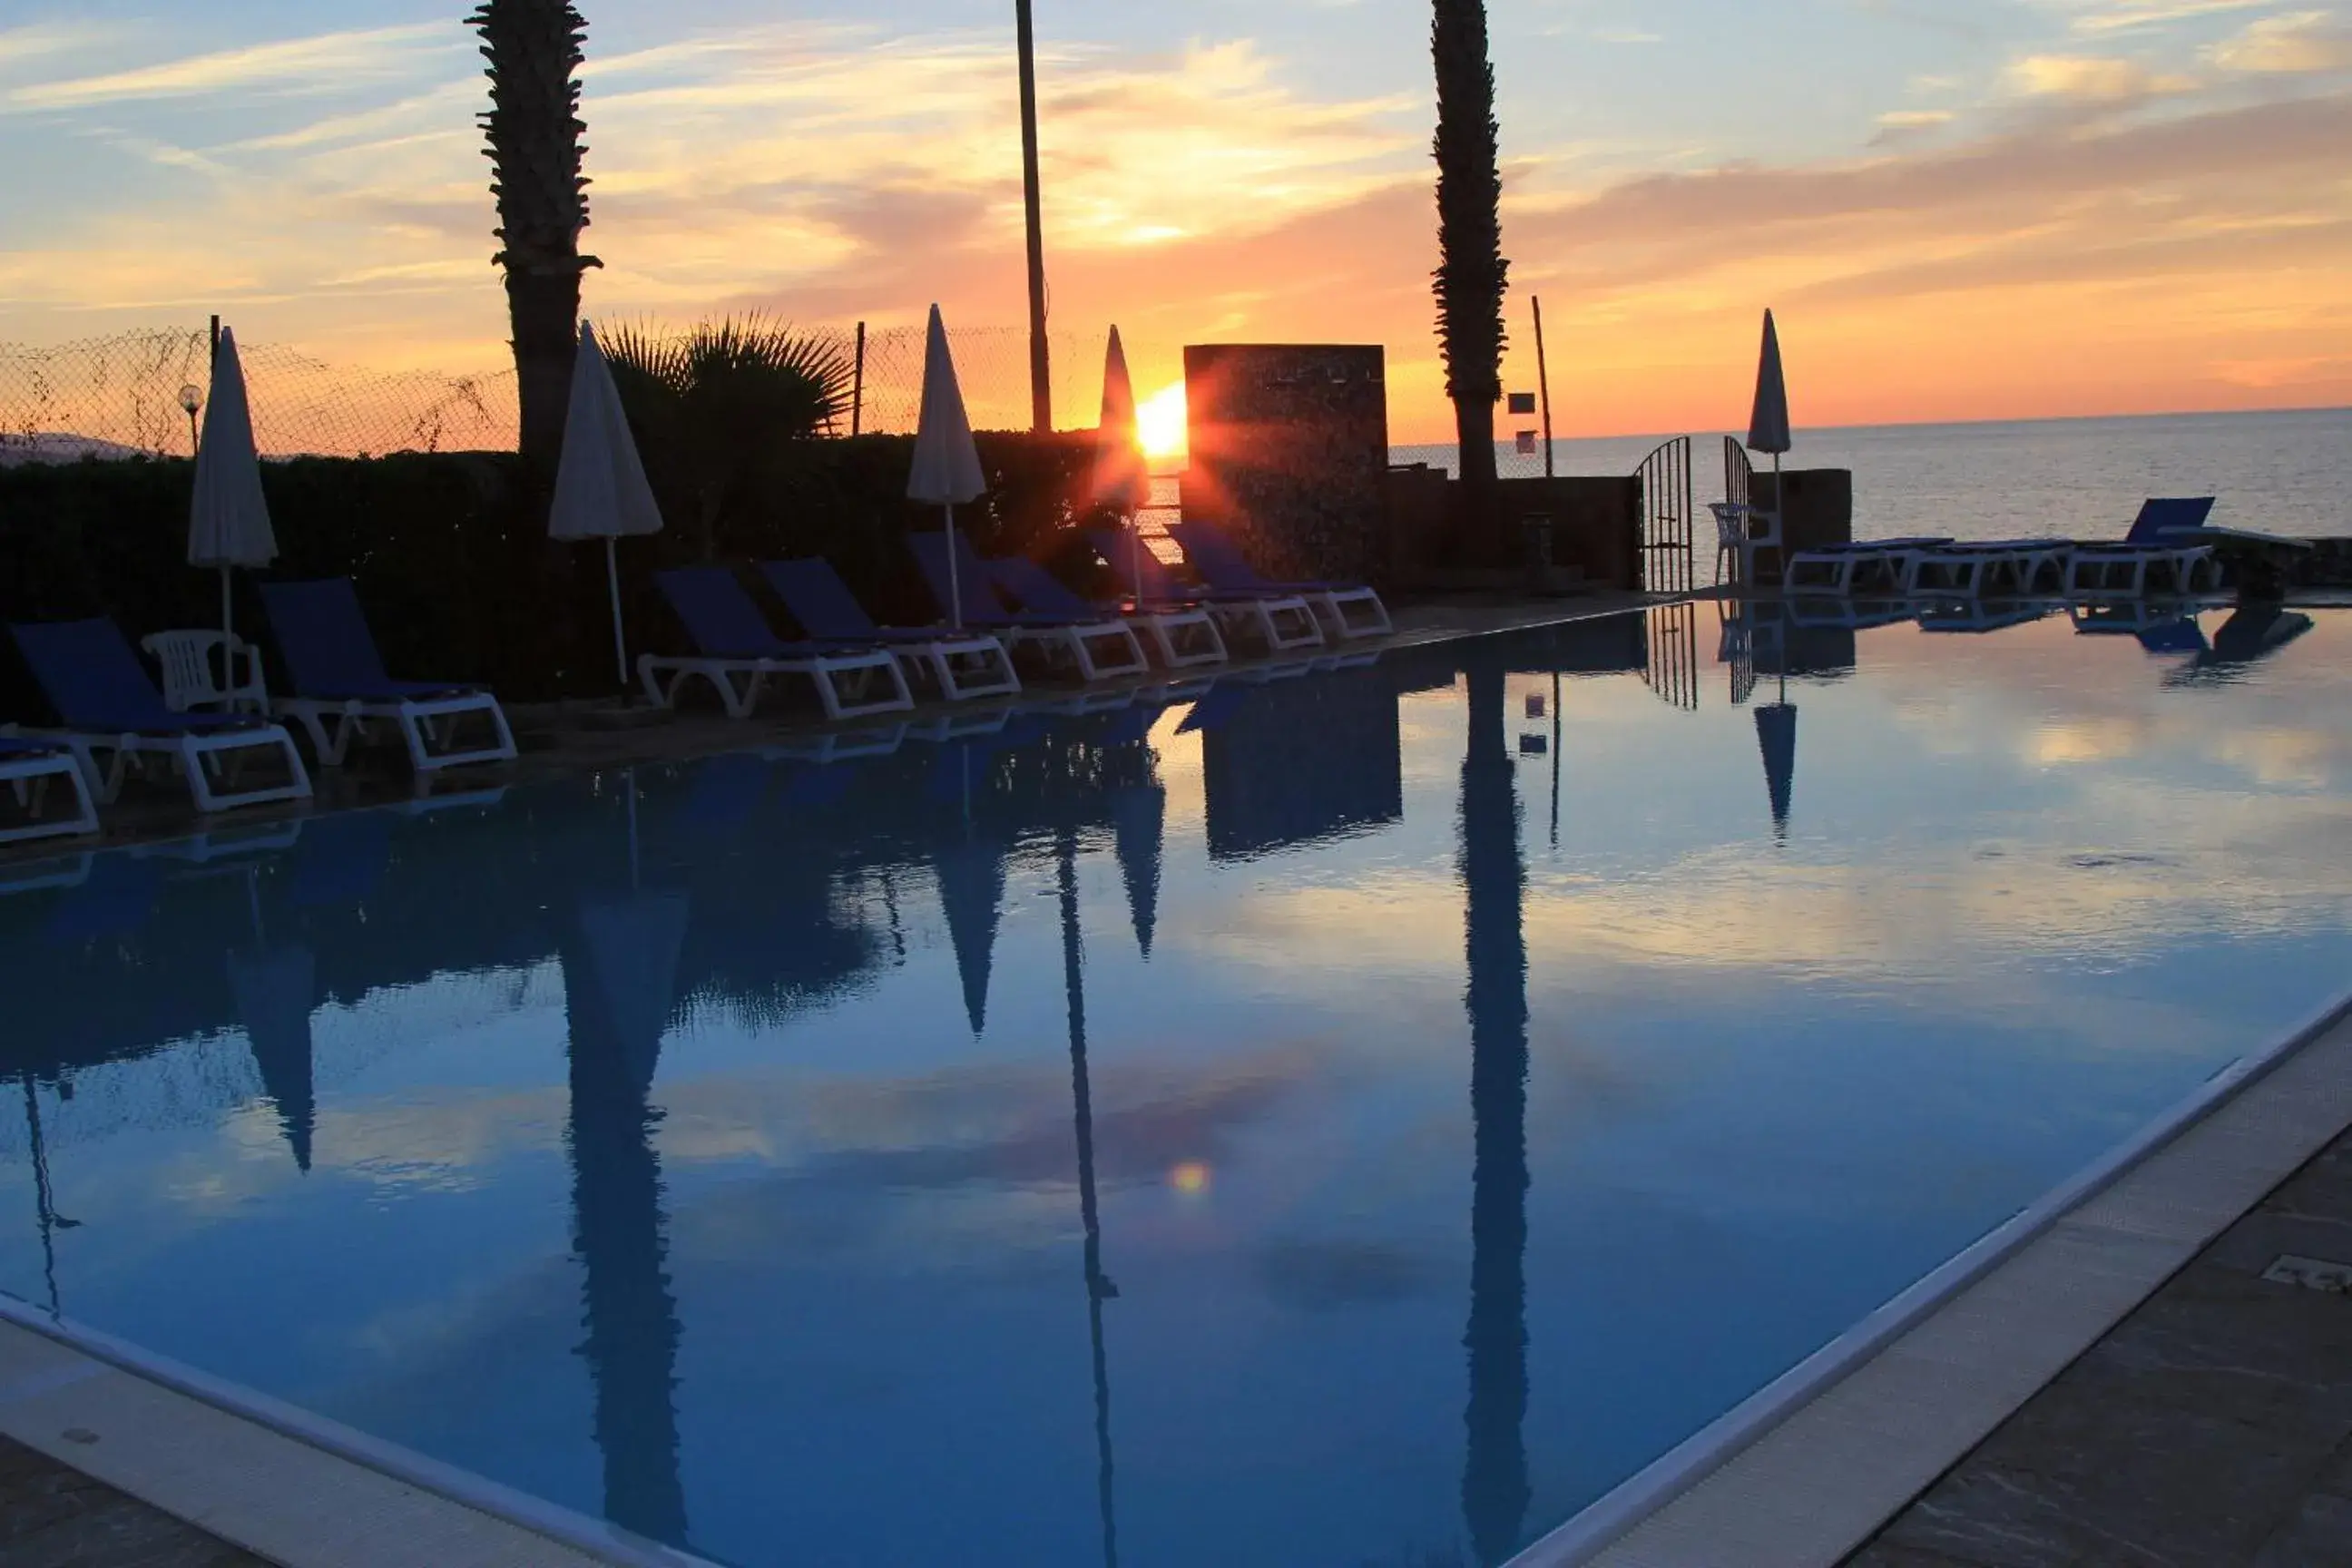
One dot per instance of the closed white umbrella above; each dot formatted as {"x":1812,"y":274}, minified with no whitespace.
{"x":228,"y":521}
{"x":1767,"y":425}
{"x":1121,"y":478}
{"x":600,"y":482}
{"x":947,"y":464}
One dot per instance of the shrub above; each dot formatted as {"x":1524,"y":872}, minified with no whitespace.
{"x":452,"y":558}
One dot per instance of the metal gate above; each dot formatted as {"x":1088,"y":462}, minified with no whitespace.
{"x":1670,"y":666}
{"x":1666,"y":475}
{"x":1738,"y":474}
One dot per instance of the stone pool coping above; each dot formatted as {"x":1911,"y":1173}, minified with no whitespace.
{"x":288,"y":1486}
{"x":1808,"y":1469}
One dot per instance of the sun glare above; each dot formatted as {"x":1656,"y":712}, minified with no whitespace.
{"x":1160,"y":422}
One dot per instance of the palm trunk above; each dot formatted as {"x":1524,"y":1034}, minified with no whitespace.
{"x":1471,"y":271}
{"x":534,"y":131}
{"x":543,"y":310}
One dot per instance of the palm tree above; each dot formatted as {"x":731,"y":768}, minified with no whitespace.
{"x":719,"y":409}
{"x":1471,"y":272}
{"x":533,"y":128}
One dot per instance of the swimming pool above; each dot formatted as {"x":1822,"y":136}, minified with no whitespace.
{"x":1357,"y":1119}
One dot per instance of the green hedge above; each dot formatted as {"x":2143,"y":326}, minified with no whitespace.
{"x":452,"y":558}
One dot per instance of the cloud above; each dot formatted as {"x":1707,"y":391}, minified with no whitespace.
{"x":2131,"y":15}
{"x":2082,"y":219}
{"x":39,"y":41}
{"x":324,"y":62}
{"x":2300,"y":43}
{"x":2089,"y":79}
{"x":1900,"y":125}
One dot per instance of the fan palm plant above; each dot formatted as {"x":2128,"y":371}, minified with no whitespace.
{"x":534,"y":130}
{"x":721,"y":410}
{"x":1471,"y":271}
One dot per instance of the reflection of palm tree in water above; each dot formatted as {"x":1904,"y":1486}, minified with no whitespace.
{"x":1099,"y":1287}
{"x":630,"y":1316}
{"x":1495,"y":1492}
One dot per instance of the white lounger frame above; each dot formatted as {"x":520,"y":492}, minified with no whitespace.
{"x":29,"y":778}
{"x":193,"y":753}
{"x":740,"y":699}
{"x":2014,"y":570}
{"x":1334,"y":603}
{"x":1122,"y":656}
{"x":419,"y":722}
{"x":1282,"y":624}
{"x":1844,"y":566}
{"x":1167,"y":628}
{"x":2121,"y":571}
{"x":991,"y":675}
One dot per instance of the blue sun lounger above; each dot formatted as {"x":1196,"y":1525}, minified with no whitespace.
{"x":2151,"y":558}
{"x":965,"y":664}
{"x":331,"y":656}
{"x":107,"y":703}
{"x":735,"y":643}
{"x":1282,"y":621}
{"x":29,"y":766}
{"x":1223,"y":566}
{"x":1039,"y":590}
{"x":1096,"y":646}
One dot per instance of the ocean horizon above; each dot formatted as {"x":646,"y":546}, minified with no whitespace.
{"x":2274,"y":470}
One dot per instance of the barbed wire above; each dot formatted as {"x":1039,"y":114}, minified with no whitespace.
{"x":122,"y":395}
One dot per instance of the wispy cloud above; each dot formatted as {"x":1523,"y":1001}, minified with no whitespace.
{"x":2110,"y":16}
{"x":40,"y":40}
{"x":327,"y":62}
{"x":2300,"y":43}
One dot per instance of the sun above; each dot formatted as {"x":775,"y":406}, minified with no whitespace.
{"x":1160,"y":423}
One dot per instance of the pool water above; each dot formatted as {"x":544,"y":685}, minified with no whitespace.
{"x":1351,"y":1119}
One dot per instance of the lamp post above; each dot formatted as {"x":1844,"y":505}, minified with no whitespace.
{"x":1041,"y":380}
{"x":191,"y":400}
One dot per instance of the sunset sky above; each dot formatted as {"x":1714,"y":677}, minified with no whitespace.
{"x":2000,"y":208}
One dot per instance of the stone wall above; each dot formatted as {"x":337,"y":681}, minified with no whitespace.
{"x":1289,"y":447}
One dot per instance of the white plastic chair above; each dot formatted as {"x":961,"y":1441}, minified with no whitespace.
{"x":1742,"y":530}
{"x":192,"y":675}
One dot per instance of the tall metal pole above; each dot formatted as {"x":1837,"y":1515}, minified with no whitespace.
{"x":1543,"y":384}
{"x":857,"y":385}
{"x":1041,"y":380}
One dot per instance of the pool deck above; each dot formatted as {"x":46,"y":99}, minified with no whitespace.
{"x":2213,"y":1424}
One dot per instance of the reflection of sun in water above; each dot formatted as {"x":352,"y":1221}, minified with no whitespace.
{"x":1160,"y":422}
{"x":1191,"y":1177}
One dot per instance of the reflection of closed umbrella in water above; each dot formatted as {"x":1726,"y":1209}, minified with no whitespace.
{"x":1776,"y":736}
{"x":275,"y":990}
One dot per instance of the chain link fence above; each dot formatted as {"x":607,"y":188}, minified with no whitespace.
{"x":126,"y":394}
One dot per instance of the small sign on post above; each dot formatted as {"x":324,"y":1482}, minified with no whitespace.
{"x":1527,"y":443}
{"x":1523,"y":403}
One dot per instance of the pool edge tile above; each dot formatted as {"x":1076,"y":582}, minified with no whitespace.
{"x":1824,"y":1478}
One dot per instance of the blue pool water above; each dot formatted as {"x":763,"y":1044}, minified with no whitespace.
{"x":1355,"y":1120}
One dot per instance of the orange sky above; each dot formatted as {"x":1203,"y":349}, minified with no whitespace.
{"x":2105,"y":205}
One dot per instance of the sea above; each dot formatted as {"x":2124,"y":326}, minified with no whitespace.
{"x":2077,"y":478}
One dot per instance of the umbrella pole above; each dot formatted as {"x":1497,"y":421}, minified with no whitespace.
{"x":612,"y":582}
{"x":229,"y":626}
{"x":955,"y":586}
